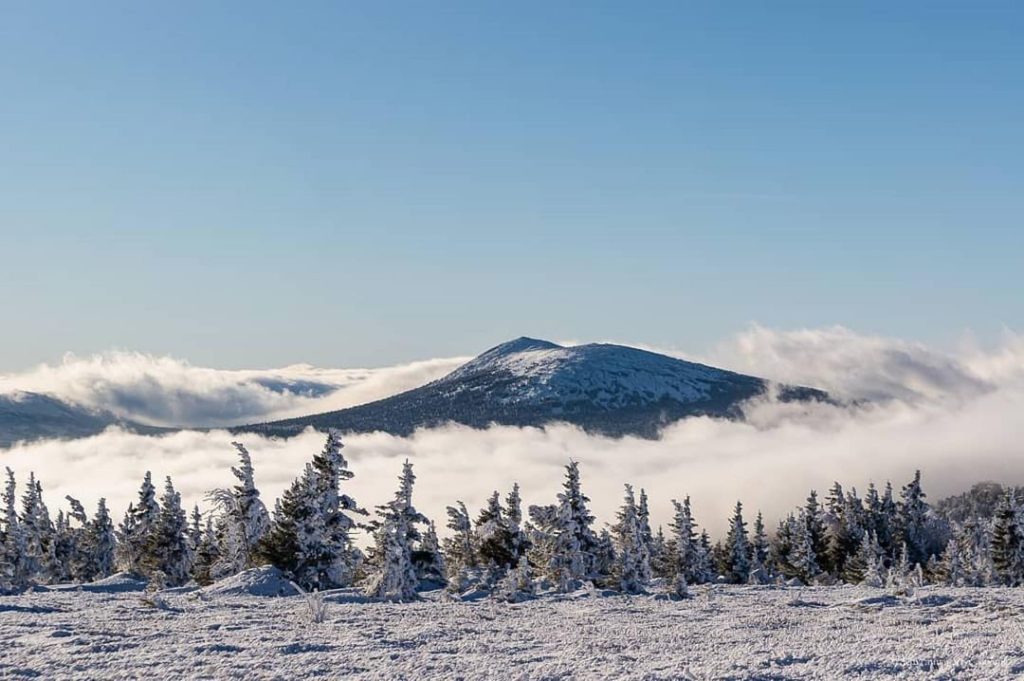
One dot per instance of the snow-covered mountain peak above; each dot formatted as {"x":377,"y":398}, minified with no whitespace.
{"x":609,"y":389}
{"x":529,"y":371}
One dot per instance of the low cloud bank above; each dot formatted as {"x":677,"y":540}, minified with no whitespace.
{"x":164,"y":391}
{"x":958,"y":419}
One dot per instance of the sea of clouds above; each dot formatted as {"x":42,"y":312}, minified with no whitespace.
{"x":956,"y":416}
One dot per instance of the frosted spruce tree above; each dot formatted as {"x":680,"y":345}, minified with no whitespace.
{"x":514,"y":517}
{"x":737,"y":548}
{"x":310,"y":538}
{"x":166,"y":558}
{"x":395,"y":534}
{"x":137,"y":526}
{"x":912,"y":521}
{"x":804,"y":557}
{"x":858,"y":567}
{"x":74,"y":555}
{"x":951,"y":566}
{"x":759,"y":553}
{"x":647,"y":535}
{"x":37,"y":530}
{"x":102,"y":542}
{"x":13,"y":569}
{"x":814,"y":520}
{"x":494,"y":540}
{"x":844,"y":529}
{"x":565,"y":547}
{"x":243,"y":517}
{"x":684,"y":547}
{"x":632,"y":568}
{"x":207,"y":554}
{"x":460,"y":548}
{"x":429,"y":560}
{"x":1007,"y":544}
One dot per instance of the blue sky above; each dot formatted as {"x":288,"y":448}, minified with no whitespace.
{"x":256,"y":184}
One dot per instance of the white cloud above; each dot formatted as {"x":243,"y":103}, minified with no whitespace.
{"x":165,"y":391}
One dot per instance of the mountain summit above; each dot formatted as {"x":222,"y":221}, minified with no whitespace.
{"x":608,"y":389}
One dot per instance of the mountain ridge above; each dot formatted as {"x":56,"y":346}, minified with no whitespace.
{"x":607,"y":389}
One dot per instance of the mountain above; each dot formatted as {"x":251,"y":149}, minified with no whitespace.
{"x":608,"y":389}
{"x":26,"y":416}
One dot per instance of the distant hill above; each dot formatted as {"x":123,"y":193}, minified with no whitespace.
{"x":26,"y":416}
{"x":608,"y":389}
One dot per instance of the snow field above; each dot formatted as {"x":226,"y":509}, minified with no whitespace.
{"x":722,"y":632}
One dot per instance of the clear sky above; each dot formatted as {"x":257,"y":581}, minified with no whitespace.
{"x":256,"y":184}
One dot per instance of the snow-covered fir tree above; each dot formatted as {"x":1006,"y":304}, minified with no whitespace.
{"x":395,"y":534}
{"x":514,"y":520}
{"x":37,"y":533}
{"x":166,"y":556}
{"x":632,"y":567}
{"x":857,"y":567}
{"x":759,"y":573}
{"x":243,"y":517}
{"x":207,"y":554}
{"x":494,"y":540}
{"x":428,"y":559}
{"x":646,"y":533}
{"x":195,"y":528}
{"x":310,"y":538}
{"x":137,"y":526}
{"x":604,"y":554}
{"x":1007,"y":544}
{"x":102,"y":542}
{"x":912,"y":522}
{"x":737,"y":548}
{"x":13,"y":569}
{"x":459,"y":548}
{"x":803,"y":557}
{"x":950,"y":569}
{"x":564,"y":543}
{"x":683,"y":547}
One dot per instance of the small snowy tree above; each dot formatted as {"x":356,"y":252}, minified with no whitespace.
{"x":12,"y":551}
{"x":514,"y":518}
{"x":494,"y":540}
{"x":138,"y":524}
{"x":759,"y":553}
{"x":858,"y":567}
{"x":518,"y":584}
{"x":244,"y":518}
{"x":684,"y":546}
{"x":37,"y":531}
{"x":428,"y":559}
{"x":950,"y":569}
{"x":912,"y":521}
{"x":1007,"y":545}
{"x":207,"y":555}
{"x":632,"y":569}
{"x":737,"y":548}
{"x":395,"y":536}
{"x":565,"y":547}
{"x":310,"y":537}
{"x":102,"y":542}
{"x":166,"y":557}
{"x":803,"y":557}
{"x":460,"y":547}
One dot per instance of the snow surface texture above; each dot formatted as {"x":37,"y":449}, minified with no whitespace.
{"x":723,"y":632}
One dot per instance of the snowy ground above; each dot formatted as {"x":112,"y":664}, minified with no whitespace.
{"x":722,"y":633}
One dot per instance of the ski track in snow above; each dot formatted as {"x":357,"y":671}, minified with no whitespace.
{"x":723,"y":632}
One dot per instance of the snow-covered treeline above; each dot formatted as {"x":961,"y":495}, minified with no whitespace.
{"x":880,"y":538}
